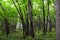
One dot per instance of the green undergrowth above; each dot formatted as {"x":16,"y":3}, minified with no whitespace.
{"x":19,"y":36}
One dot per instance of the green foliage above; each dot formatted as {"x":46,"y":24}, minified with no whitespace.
{"x":19,"y":36}
{"x":11,"y":13}
{"x":10,"y":9}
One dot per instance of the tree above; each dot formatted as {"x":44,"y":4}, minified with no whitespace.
{"x":27,"y":23}
{"x":31,"y":18}
{"x":18,"y":8}
{"x":44,"y":27}
{"x":49,"y":17}
{"x":6,"y":22}
{"x":57,"y":19}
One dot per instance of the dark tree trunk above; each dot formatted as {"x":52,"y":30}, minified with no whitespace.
{"x":6,"y":22}
{"x":44,"y":28}
{"x":21,"y":17}
{"x":27,"y":25}
{"x":47,"y":23}
{"x":31,"y":19}
{"x":49,"y":17}
{"x":7,"y":26}
{"x":50,"y":29}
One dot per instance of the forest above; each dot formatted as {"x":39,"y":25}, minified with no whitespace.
{"x":29,"y":19}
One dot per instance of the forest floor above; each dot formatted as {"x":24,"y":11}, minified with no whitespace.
{"x":19,"y":36}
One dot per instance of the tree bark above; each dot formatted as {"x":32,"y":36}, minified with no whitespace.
{"x":27,"y":23}
{"x":44,"y":27}
{"x":6,"y":22}
{"x":49,"y":17}
{"x":57,"y":19}
{"x":31,"y":19}
{"x":21,"y":17}
{"x":7,"y":29}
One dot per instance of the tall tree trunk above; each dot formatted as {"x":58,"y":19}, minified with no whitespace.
{"x":31,"y":19}
{"x":6,"y":22}
{"x":57,"y":19}
{"x":47,"y":23}
{"x":49,"y":17}
{"x":27,"y":23}
{"x":44,"y":28}
{"x":21,"y":17}
{"x":50,"y":29}
{"x":7,"y":29}
{"x":27,"y":26}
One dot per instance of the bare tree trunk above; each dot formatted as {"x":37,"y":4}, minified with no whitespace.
{"x":50,"y":29}
{"x":27,"y":26}
{"x":57,"y":19}
{"x":49,"y":17}
{"x":7,"y":29}
{"x":27,"y":23}
{"x":21,"y":17}
{"x":44,"y":28}
{"x":6,"y":22}
{"x":31,"y":19}
{"x":47,"y":23}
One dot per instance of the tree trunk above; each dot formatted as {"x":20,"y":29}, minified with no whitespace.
{"x":49,"y":17}
{"x":6,"y":22}
{"x":50,"y":29}
{"x":57,"y":19}
{"x":7,"y":29}
{"x":44,"y":27}
{"x":31,"y":19}
{"x":27,"y":25}
{"x":21,"y":17}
